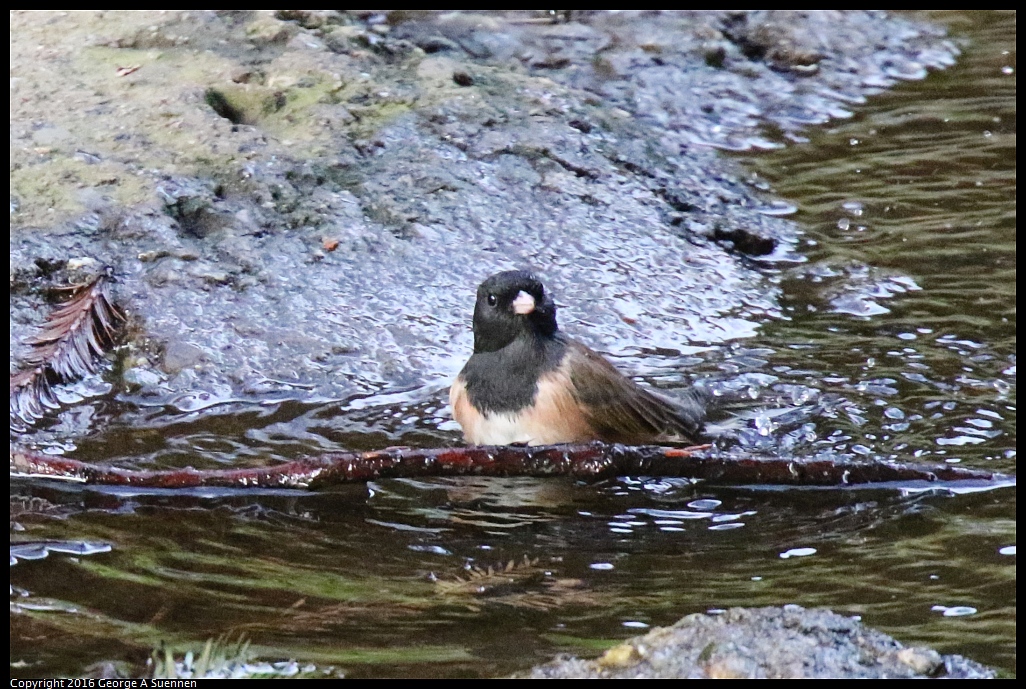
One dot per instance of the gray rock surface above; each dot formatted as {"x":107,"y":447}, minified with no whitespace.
{"x":764,"y":643}
{"x":300,"y":204}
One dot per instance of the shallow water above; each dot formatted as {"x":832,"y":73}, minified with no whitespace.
{"x":897,"y":340}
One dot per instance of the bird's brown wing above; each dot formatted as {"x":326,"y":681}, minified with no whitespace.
{"x":621,"y":411}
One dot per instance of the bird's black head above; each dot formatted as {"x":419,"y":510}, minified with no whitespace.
{"x":510,"y":305}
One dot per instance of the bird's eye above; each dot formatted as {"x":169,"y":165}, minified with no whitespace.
{"x":492,"y":300}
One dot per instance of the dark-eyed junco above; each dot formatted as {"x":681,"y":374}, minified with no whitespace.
{"x":529,"y":383}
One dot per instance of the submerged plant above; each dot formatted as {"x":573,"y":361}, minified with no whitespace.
{"x":224,"y":658}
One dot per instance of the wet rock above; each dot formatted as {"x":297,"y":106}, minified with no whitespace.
{"x":774,"y":38}
{"x":462,"y":78}
{"x":314,"y":196}
{"x":136,"y":378}
{"x":179,"y":355}
{"x":267,"y":29}
{"x":764,"y":643}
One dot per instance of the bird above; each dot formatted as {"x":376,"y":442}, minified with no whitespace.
{"x":528,"y":383}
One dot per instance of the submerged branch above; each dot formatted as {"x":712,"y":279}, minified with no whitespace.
{"x":591,"y":462}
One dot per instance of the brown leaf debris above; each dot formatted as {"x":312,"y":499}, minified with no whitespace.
{"x":74,"y":336}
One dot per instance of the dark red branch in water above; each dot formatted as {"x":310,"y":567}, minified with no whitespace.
{"x":589,"y":462}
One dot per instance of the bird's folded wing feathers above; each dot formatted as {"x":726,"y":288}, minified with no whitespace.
{"x":621,"y":411}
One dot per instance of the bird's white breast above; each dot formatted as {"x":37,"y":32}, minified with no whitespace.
{"x":554,"y":417}
{"x":499,"y":429}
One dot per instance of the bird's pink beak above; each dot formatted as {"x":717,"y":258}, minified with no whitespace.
{"x":523,"y":304}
